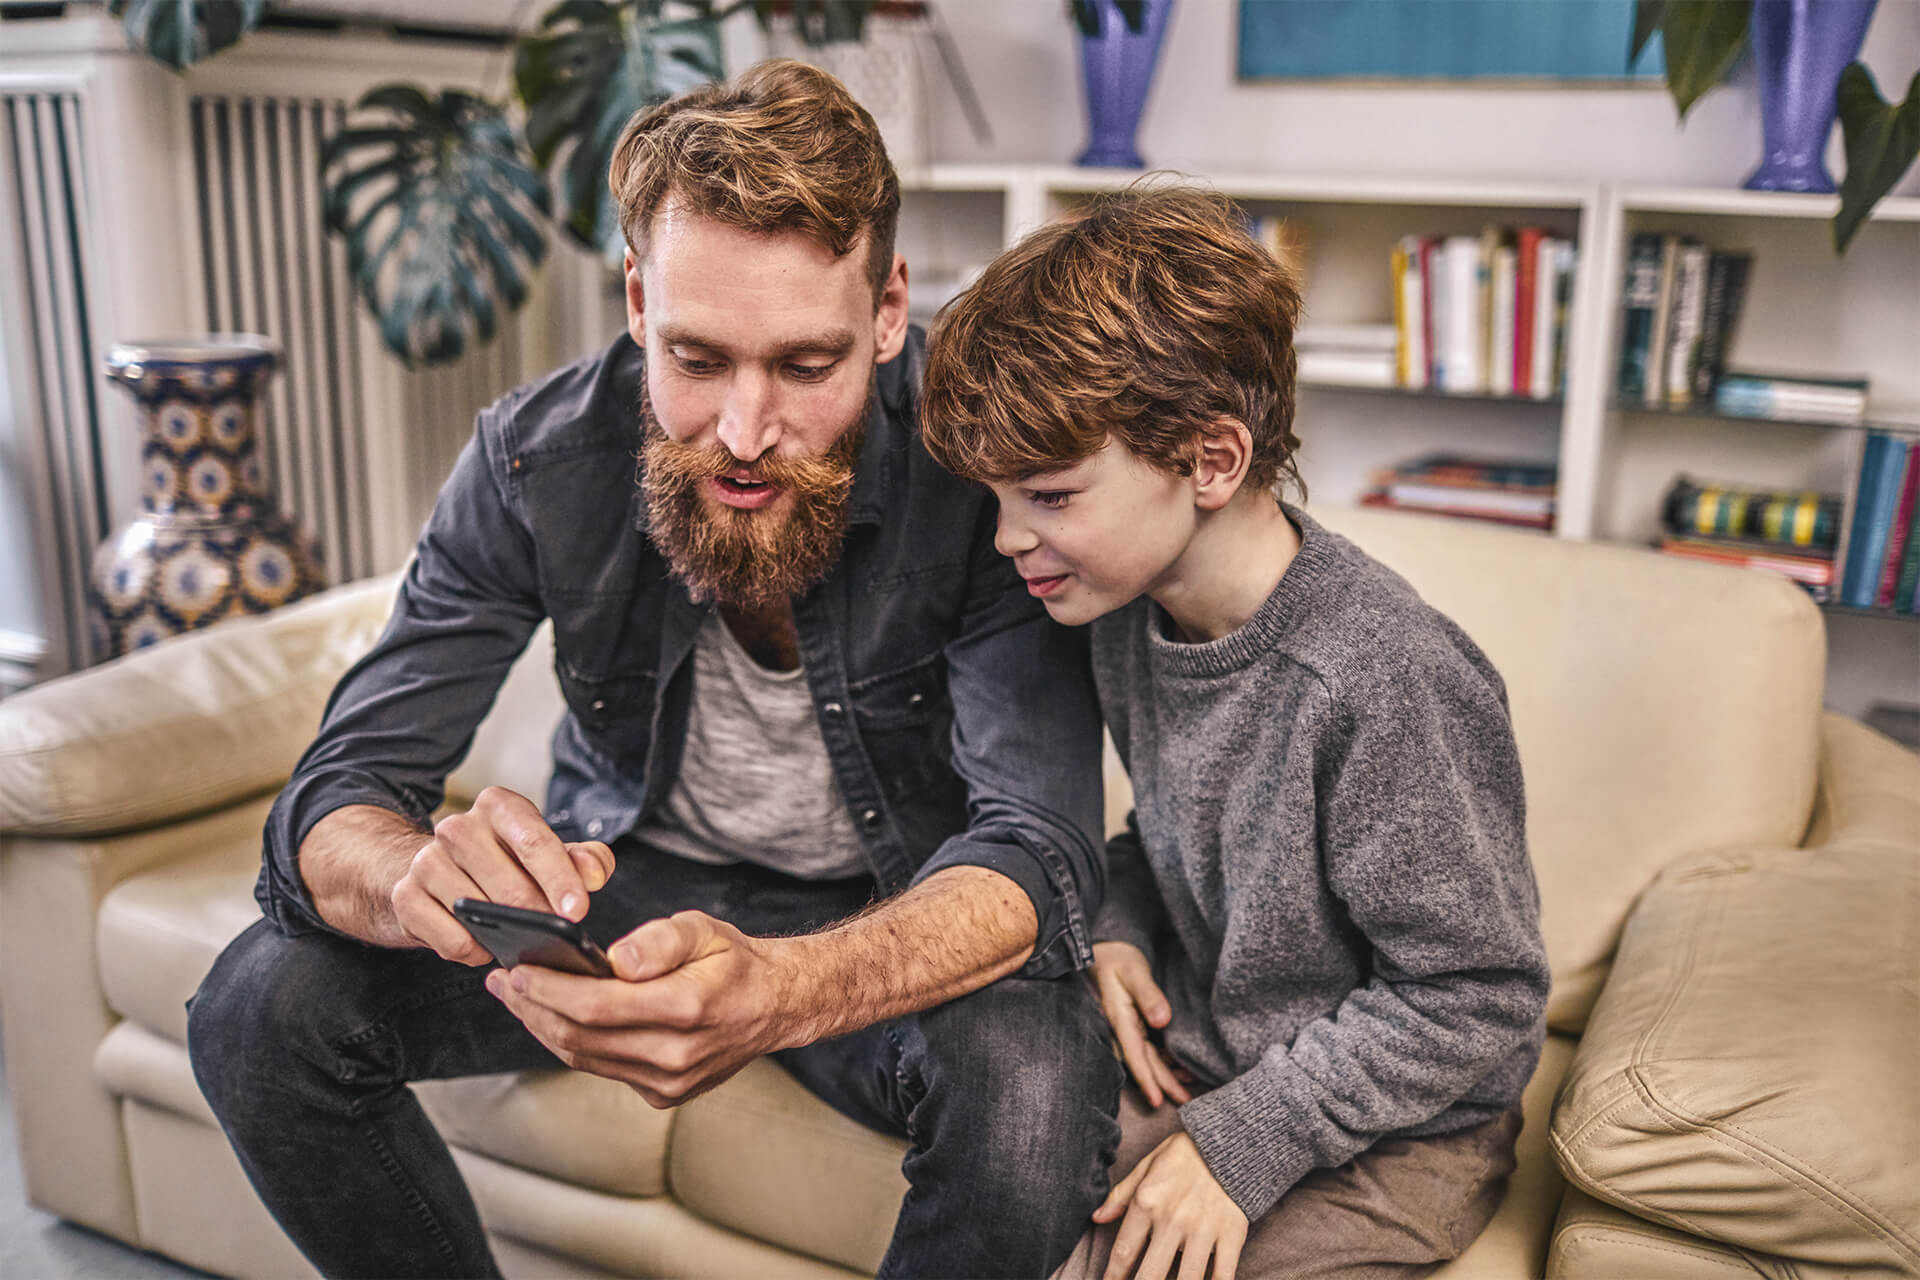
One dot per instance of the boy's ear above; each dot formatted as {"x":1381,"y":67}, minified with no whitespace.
{"x":1221,"y":457}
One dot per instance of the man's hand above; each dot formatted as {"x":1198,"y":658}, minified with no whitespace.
{"x":501,"y":850}
{"x":1128,"y":994}
{"x":1173,"y":1205}
{"x":694,"y":1000}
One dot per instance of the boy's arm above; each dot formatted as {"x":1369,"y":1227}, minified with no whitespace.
{"x":1132,"y":911}
{"x":1424,"y":818}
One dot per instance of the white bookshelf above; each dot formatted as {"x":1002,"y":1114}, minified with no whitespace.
{"x":1805,"y":310}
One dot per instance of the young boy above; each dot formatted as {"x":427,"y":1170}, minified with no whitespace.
{"x":1322,"y":906}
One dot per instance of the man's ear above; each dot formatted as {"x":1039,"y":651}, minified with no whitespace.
{"x":636,"y":300}
{"x":1221,"y":458}
{"x":890,"y":317}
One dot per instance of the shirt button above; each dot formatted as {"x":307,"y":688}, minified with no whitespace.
{"x":871,"y":817}
{"x":833,"y":709}
{"x":595,"y":827}
{"x":561,"y":815}
{"x":916,"y":699}
{"x":599,"y":704}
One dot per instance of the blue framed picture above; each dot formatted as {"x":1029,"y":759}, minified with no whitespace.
{"x":1577,"y":40}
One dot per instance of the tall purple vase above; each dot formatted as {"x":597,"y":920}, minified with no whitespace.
{"x":1800,"y":47}
{"x":1117,"y":66}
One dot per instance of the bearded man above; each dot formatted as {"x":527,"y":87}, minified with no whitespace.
{"x":828,"y":779}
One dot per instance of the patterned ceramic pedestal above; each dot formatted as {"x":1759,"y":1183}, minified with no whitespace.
{"x":209,"y":543}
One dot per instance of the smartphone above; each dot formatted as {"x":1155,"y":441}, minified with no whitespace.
{"x":517,"y":936}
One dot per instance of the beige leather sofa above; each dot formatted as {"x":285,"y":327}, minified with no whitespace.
{"x":1731,"y":884}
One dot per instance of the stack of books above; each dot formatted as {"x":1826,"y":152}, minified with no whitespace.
{"x":1486,"y":314}
{"x":1682,"y":303}
{"x":1507,"y":491}
{"x":1880,"y":556}
{"x":1794,"y":396}
{"x":1347,"y":355}
{"x":1790,"y":533}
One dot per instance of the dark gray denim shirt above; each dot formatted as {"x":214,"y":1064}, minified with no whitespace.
{"x":960,"y":720}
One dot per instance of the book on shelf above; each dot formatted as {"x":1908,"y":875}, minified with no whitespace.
{"x":1347,"y":368}
{"x":1726,"y":291}
{"x":1681,"y":301}
{"x":1508,"y":491}
{"x":1877,"y":488}
{"x":1907,"y":588}
{"x":1801,"y":396}
{"x":1483,"y":314}
{"x":1812,"y":572}
{"x":1689,"y":313}
{"x":1383,"y":338}
{"x":1897,"y":532}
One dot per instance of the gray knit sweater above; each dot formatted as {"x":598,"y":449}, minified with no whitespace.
{"x":1327,"y":866}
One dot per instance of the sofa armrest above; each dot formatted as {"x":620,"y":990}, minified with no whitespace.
{"x":1747,"y":1075}
{"x":1869,"y":787}
{"x":189,"y":725}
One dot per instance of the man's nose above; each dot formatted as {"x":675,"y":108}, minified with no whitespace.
{"x":748,"y":427}
{"x":1011,"y":537}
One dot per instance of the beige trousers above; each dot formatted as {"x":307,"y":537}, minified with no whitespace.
{"x":1399,"y":1209}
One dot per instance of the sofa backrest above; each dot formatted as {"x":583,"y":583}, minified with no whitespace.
{"x":1661,"y":707}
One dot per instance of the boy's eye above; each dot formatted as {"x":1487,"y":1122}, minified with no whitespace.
{"x":1052,"y":499}
{"x":811,"y":372}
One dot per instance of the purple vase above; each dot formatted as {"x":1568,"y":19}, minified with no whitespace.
{"x":1117,"y":66}
{"x":1800,"y":47}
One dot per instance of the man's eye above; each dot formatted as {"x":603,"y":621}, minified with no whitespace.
{"x":699,"y":368}
{"x":1052,"y":499}
{"x":811,"y":372}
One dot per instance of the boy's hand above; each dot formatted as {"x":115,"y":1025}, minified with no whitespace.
{"x":1173,"y":1205}
{"x":1127,"y":995}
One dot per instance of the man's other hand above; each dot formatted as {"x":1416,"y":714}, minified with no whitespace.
{"x":501,"y":850}
{"x":695,"y":1000}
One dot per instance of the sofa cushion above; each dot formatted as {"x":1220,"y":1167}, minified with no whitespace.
{"x":763,"y":1156}
{"x":1595,"y":1241}
{"x":1662,"y":707}
{"x":160,"y":932}
{"x":188,"y":725}
{"x":1749,"y":1073}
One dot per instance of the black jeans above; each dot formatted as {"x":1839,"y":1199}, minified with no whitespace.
{"x":304,"y":1046}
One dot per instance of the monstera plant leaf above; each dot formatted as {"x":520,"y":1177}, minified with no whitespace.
{"x":181,"y":32}
{"x":1702,"y":38}
{"x":820,"y":22}
{"x":442,"y":215}
{"x":1087,"y":14}
{"x":1882,"y":140}
{"x":591,"y":66}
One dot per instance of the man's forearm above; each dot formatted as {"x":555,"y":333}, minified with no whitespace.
{"x":953,"y":933}
{"x":350,"y":861}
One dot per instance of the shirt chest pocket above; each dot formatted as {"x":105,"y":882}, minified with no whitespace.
{"x":905,"y":721}
{"x":615,"y":711}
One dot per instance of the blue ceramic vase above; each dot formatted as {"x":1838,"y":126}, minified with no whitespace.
{"x":209,"y":542}
{"x":1800,"y":47}
{"x":1117,"y":67}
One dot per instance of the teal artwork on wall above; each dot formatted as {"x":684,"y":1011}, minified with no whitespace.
{"x":1581,"y":40}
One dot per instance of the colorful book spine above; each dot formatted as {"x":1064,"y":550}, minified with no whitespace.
{"x":1689,"y":311}
{"x":1545,"y":313}
{"x":1464,"y":275}
{"x":1642,"y":295}
{"x":1654,"y":394}
{"x":1526,"y":290}
{"x":1904,"y":596}
{"x":1565,"y":260}
{"x":1504,"y":274}
{"x":1881,"y":472}
{"x":1726,"y":291}
{"x":1897,"y":532}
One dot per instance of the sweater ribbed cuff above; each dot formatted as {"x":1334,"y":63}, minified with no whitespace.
{"x":1245,"y":1134}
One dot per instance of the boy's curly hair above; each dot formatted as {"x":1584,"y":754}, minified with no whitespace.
{"x":782,"y":147}
{"x":1149,"y":314}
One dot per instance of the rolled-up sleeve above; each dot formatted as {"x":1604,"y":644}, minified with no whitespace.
{"x":404,"y":716}
{"x":1026,"y":741}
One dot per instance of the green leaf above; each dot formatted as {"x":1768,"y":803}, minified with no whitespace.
{"x":1703,"y":39}
{"x":182,"y":32}
{"x":1647,"y":16}
{"x":1882,"y":141}
{"x":591,"y":67}
{"x":441,"y":211}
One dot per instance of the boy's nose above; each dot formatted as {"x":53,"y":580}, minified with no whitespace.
{"x":1012,"y":538}
{"x":748,"y":426}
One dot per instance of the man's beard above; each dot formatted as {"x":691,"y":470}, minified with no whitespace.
{"x":747,"y":559}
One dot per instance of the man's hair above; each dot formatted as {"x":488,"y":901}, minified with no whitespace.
{"x":1150,"y":313}
{"x":782,"y":147}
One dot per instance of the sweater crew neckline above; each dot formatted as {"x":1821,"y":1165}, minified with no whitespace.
{"x":1257,"y":635}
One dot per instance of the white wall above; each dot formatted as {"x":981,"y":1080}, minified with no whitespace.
{"x":1023,"y":58}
